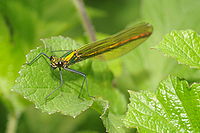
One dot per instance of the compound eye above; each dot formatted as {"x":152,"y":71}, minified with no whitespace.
{"x":52,"y":58}
{"x":60,"y":63}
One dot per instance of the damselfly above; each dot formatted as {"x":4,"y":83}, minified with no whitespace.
{"x":108,"y":48}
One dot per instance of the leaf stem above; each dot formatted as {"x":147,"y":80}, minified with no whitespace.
{"x":87,"y":24}
{"x":12,"y":123}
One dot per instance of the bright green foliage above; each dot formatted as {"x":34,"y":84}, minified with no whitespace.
{"x":112,"y":122}
{"x":182,"y":45}
{"x":38,"y":80}
{"x":145,"y":67}
{"x":24,"y":22}
{"x":175,"y":108}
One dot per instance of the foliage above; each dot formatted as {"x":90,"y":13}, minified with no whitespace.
{"x":173,"y":109}
{"x":37,"y":81}
{"x":184,"y":46}
{"x":24,"y":22}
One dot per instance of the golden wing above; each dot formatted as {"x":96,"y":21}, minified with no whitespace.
{"x":117,"y":44}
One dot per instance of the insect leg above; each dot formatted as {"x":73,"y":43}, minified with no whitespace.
{"x":84,"y":80}
{"x":37,"y":57}
{"x":61,"y":83}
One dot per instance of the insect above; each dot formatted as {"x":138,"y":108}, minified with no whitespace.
{"x":108,"y":48}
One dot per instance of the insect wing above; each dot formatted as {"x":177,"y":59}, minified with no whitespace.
{"x":117,"y":44}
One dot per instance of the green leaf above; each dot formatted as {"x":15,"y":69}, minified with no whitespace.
{"x":111,"y":109}
{"x":144,"y":67}
{"x":39,"y":80}
{"x":175,"y":108}
{"x":112,"y":122}
{"x":182,"y":45}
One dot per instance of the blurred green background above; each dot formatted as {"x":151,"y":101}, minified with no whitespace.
{"x":24,"y":22}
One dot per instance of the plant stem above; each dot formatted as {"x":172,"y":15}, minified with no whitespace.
{"x":12,"y":123}
{"x":87,"y":24}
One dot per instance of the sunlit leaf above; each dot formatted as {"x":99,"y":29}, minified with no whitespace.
{"x":175,"y":108}
{"x":182,"y":45}
{"x":39,"y":80}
